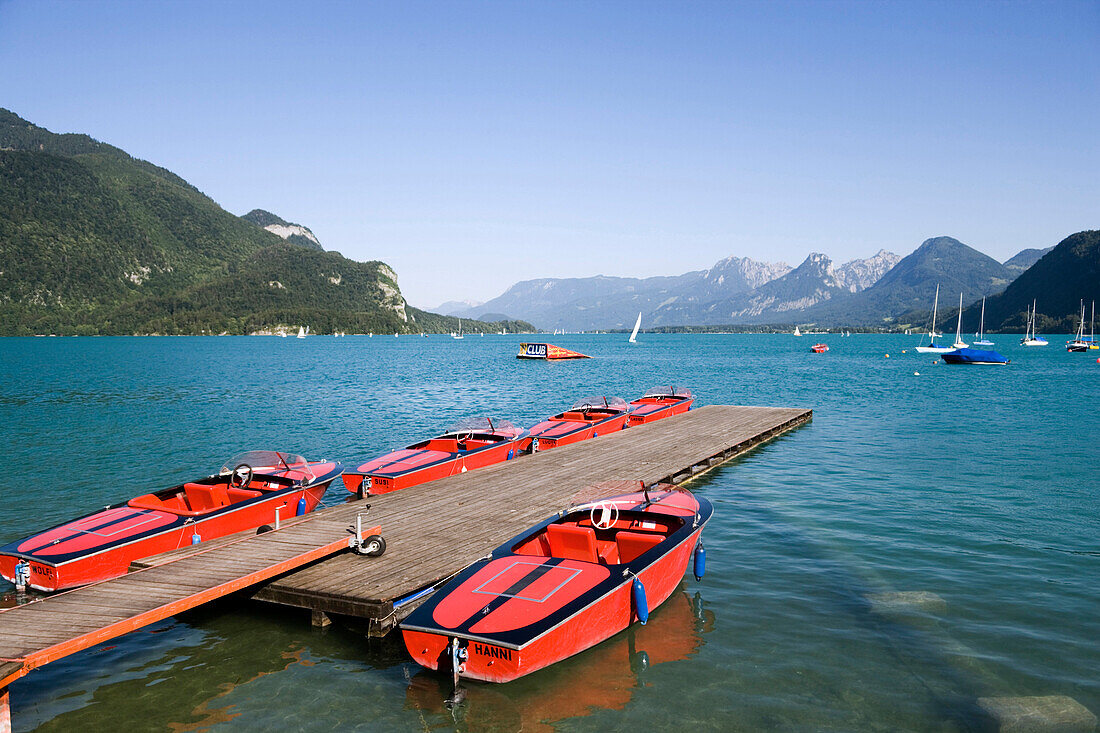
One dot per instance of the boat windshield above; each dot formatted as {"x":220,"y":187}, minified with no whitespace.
{"x":669,"y":391}
{"x":264,"y":459}
{"x":481,"y":425}
{"x":615,"y":403}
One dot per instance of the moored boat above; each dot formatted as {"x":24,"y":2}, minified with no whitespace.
{"x":589,"y":417}
{"x":548,"y":351}
{"x":561,"y":587}
{"x":973,"y":356}
{"x":472,"y":443}
{"x":252,"y":489}
{"x":1080,"y":342}
{"x":1031,"y":338}
{"x":819,"y":348}
{"x":933,"y":347}
{"x":660,"y":402}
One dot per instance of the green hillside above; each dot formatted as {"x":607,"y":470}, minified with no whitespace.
{"x":93,"y":241}
{"x":1057,"y":282}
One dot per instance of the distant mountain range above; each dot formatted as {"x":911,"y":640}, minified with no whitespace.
{"x":736,"y":289}
{"x":884,"y":290}
{"x":93,"y":241}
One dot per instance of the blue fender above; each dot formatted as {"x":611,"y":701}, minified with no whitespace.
{"x":700,"y":568}
{"x":641,"y":607}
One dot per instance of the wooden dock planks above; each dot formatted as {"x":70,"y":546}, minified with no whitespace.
{"x":46,"y":630}
{"x":434,"y":530}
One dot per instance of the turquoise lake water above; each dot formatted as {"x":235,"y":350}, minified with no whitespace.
{"x":975,"y":487}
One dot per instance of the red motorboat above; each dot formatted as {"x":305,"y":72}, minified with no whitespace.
{"x":587,"y":418}
{"x":251,"y":490}
{"x":561,"y":587}
{"x":819,"y":348}
{"x":660,"y":402}
{"x":472,"y":443}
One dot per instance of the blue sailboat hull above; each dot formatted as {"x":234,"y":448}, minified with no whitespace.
{"x":973,"y":356}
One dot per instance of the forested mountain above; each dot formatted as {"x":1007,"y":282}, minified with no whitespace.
{"x":293,"y":233}
{"x":95,"y":241}
{"x":1024,"y":259}
{"x":1058,"y":282}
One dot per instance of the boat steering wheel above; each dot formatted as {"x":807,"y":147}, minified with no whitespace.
{"x":608,"y":515}
{"x":241,"y":476}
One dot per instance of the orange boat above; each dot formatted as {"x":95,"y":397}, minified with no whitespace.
{"x":548,"y":351}
{"x":819,"y":348}
{"x":251,"y":489}
{"x":660,"y":402}
{"x":472,"y":443}
{"x":587,"y":418}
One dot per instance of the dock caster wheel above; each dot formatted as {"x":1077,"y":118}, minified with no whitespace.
{"x":264,"y":528}
{"x":374,"y":546}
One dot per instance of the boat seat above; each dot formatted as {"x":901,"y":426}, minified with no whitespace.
{"x":634,"y":544}
{"x":205,"y":498}
{"x":572,"y":543}
{"x":236,"y":495}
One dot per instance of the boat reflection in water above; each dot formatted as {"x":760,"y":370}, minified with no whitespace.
{"x":601,"y":678}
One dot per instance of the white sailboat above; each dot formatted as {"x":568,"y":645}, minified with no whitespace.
{"x":796,"y":332}
{"x":459,"y":334}
{"x":634,"y":333}
{"x":959,"y":343}
{"x":932,"y":347}
{"x":1030,"y":337}
{"x":982,"y":341}
{"x":1079,"y":343}
{"x":302,"y":332}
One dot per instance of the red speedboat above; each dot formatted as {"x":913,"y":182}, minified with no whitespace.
{"x":819,"y":348}
{"x":561,"y":587}
{"x":587,"y":418}
{"x":472,"y":443}
{"x":250,"y":490}
{"x":660,"y":402}
{"x":548,"y":352}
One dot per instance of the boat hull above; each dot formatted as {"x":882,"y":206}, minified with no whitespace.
{"x":416,"y":465}
{"x":563,"y":431}
{"x":102,"y":545}
{"x":523,"y":625}
{"x":974,"y":356}
{"x":647,"y":410}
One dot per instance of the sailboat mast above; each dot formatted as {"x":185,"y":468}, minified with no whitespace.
{"x":935,"y":305}
{"x":981,"y":327}
{"x":959,"y":326}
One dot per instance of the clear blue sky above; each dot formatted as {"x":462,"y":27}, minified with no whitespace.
{"x":471,"y":145}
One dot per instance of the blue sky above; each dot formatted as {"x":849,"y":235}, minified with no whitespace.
{"x":471,"y":145}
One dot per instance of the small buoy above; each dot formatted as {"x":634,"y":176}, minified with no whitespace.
{"x":196,"y":539}
{"x":1098,"y":361}
{"x":640,"y":605}
{"x":509,"y":456}
{"x":301,"y":507}
{"x":904,"y":351}
{"x":464,"y":469}
{"x":916,"y":374}
{"x":700,"y":562}
{"x":595,"y":435}
{"x":887,"y":356}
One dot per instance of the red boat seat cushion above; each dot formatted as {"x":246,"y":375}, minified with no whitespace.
{"x":634,"y":544}
{"x":572,"y":543}
{"x":204,"y":498}
{"x":236,"y":495}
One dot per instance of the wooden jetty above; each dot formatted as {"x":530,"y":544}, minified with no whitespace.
{"x":432,"y":531}
{"x":435,"y":530}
